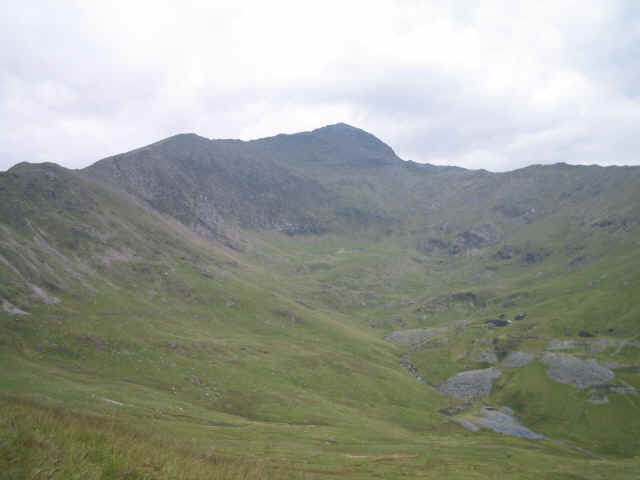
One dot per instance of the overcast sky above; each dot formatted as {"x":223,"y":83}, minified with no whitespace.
{"x":480,"y":84}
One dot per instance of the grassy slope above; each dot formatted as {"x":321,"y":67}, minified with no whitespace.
{"x":264,"y":363}
{"x":383,"y":285}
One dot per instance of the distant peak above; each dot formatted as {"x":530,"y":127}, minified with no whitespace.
{"x":339,"y":144}
{"x":345,"y":127}
{"x":341,"y":125}
{"x":179,"y":139}
{"x":23,"y":167}
{"x":182,"y":137}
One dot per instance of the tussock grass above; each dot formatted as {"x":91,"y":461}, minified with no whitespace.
{"x":45,"y":443}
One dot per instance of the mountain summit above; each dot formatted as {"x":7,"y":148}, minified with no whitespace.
{"x":338,"y":145}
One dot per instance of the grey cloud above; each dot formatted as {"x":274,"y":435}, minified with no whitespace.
{"x":489,"y":85}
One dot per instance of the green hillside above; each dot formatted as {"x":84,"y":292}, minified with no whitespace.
{"x":223,"y":309}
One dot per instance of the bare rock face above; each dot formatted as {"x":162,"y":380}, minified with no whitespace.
{"x":568,"y":369}
{"x":411,"y":337}
{"x":471,"y":384}
{"x":517,"y":359}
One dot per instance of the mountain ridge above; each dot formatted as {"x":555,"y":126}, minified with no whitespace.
{"x":340,"y":126}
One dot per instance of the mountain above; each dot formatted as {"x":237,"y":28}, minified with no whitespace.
{"x":341,"y":179}
{"x":206,"y":183}
{"x":307,"y":305}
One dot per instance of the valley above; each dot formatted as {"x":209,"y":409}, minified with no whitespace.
{"x":311,"y":305}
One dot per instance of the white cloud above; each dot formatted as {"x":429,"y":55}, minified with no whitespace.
{"x":492,"y":84}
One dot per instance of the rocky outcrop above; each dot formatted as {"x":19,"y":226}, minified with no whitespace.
{"x":471,"y":384}
{"x":568,"y":369}
{"x":501,"y":420}
{"x":517,"y":359}
{"x":480,"y":236}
